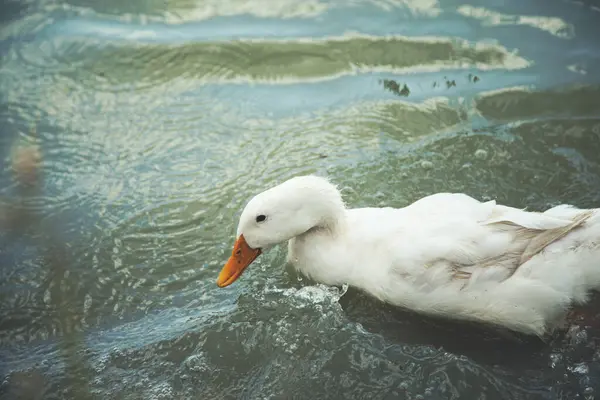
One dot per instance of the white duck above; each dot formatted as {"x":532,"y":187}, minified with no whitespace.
{"x":446,"y":254}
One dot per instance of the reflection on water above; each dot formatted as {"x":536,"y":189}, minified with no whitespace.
{"x":134,"y":132}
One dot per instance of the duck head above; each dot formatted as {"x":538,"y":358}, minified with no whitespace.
{"x":280,"y":214}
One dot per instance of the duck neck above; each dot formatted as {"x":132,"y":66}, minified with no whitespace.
{"x":335,"y":223}
{"x":331,"y":225}
{"x":306,"y":251}
{"x":332,"y":218}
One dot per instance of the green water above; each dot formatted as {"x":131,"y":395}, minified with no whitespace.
{"x":157,"y":121}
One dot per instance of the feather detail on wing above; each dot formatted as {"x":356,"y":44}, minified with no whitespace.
{"x":531,"y":234}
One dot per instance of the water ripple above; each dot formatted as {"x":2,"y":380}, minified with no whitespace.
{"x":154,"y":130}
{"x":112,"y":67}
{"x":182,"y":11}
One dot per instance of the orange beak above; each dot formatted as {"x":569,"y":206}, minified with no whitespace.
{"x":241,"y":256}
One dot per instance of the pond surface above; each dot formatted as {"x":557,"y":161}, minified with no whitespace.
{"x":157,"y":120}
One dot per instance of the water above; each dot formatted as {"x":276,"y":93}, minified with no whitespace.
{"x":156,"y":121}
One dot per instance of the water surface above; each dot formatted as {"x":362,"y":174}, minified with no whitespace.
{"x":156,"y":121}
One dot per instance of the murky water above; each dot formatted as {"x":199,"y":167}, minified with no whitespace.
{"x":156,"y":121}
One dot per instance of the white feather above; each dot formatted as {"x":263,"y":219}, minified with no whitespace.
{"x":446,"y":254}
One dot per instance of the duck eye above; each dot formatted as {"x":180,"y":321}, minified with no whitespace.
{"x":261,"y":218}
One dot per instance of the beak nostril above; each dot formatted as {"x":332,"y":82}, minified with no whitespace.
{"x":241,"y":257}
